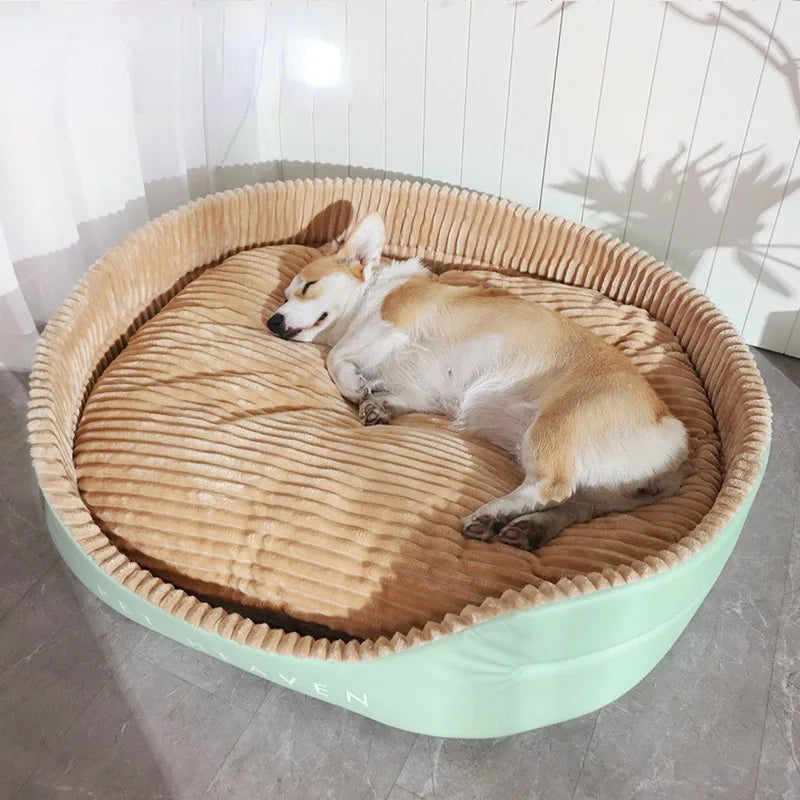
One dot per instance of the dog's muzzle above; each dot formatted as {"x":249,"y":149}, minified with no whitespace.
{"x":277,"y":325}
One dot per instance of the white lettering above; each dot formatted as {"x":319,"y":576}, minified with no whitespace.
{"x":147,"y":620}
{"x":224,"y":657}
{"x":123,"y":608}
{"x":321,"y":689}
{"x":102,"y":592}
{"x":256,"y":671}
{"x":195,"y":645}
{"x":290,"y":682}
{"x":362,"y":699}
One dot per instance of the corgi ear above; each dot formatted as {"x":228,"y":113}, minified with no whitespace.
{"x":366,"y":242}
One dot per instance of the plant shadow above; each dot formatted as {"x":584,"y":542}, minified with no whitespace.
{"x":642,"y":210}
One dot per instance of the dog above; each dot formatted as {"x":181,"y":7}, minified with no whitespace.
{"x":588,"y":430}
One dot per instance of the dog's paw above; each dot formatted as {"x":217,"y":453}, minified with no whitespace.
{"x":352,"y":388}
{"x":530,"y":531}
{"x":371,"y":412}
{"x":481,"y":527}
{"x":348,"y":380}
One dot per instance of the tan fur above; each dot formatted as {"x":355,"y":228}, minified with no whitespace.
{"x":403,"y":306}
{"x":596,"y":386}
{"x":588,"y":429}
{"x":321,"y":268}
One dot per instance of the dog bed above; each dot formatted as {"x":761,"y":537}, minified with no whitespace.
{"x":206,"y":478}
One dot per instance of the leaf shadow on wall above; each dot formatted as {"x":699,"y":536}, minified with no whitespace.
{"x":641,"y":210}
{"x":714,"y":225}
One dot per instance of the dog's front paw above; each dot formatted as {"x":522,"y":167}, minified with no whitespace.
{"x":371,"y":412}
{"x":349,"y":381}
{"x":353,"y":388}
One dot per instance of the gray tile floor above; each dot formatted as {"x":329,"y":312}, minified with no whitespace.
{"x":91,"y":705}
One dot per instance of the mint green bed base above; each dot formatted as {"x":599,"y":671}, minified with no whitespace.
{"x":513,"y":673}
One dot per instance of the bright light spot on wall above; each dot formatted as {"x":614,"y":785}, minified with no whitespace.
{"x":314,"y":62}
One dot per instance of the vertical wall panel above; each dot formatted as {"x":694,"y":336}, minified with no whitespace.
{"x":406,"y":48}
{"x":718,"y":142}
{"x":579,"y":75}
{"x":635,"y":34}
{"x":325,"y":63}
{"x":445,"y":78}
{"x":793,"y":348}
{"x":366,"y":55}
{"x":290,"y":20}
{"x":536,"y":33}
{"x":776,"y":298}
{"x":745,"y":274}
{"x":490,"y":44}
{"x":674,"y":103}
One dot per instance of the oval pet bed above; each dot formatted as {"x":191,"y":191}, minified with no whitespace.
{"x":207,"y":480}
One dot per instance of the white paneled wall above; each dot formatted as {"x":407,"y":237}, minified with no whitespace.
{"x":404,"y":86}
{"x":773,"y":249}
{"x":447,"y":31}
{"x":580,"y":63}
{"x":530,"y":95}
{"x":731,"y":85}
{"x":634,"y":37}
{"x":491,"y":37}
{"x":675,"y":125}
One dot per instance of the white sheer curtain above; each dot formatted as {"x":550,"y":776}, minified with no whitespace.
{"x":111,"y":114}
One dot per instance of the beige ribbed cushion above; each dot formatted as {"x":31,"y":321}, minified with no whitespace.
{"x":224,"y":460}
{"x":134,"y":280}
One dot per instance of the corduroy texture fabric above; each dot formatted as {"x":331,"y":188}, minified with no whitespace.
{"x":404,"y":561}
{"x":224,"y":459}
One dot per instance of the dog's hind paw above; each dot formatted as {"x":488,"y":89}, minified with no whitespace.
{"x":371,"y":412}
{"x":482,"y":527}
{"x":530,"y":531}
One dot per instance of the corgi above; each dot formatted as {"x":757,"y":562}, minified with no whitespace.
{"x":589,"y":432}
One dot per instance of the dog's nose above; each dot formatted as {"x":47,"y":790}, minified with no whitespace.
{"x":276,"y":323}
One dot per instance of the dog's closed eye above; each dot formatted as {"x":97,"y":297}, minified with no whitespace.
{"x":307,"y":286}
